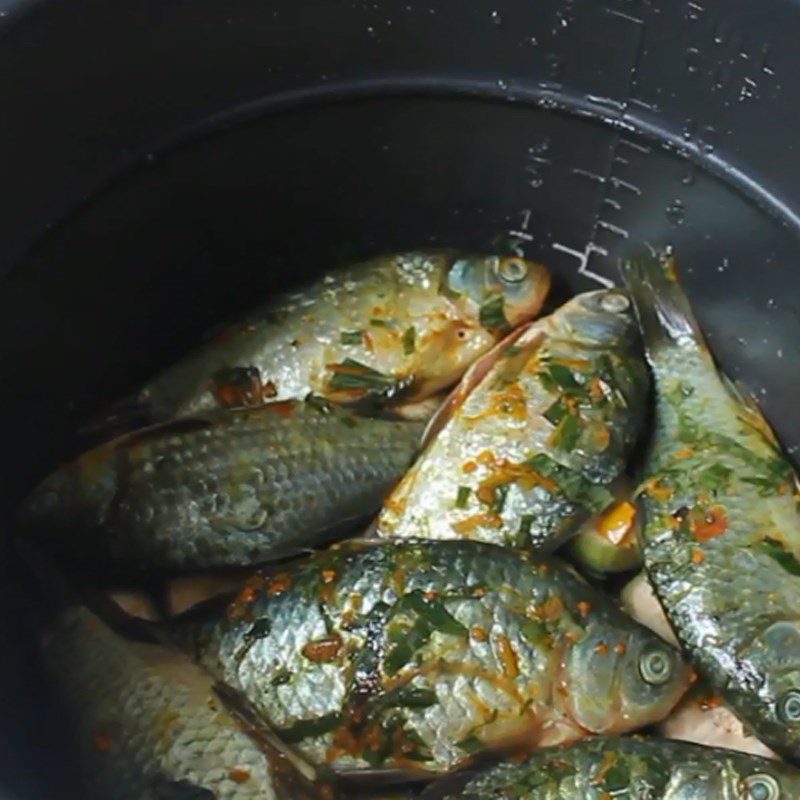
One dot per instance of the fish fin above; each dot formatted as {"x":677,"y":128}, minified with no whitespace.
{"x":450,"y":785}
{"x":123,"y":416}
{"x":749,"y":410}
{"x":662,"y":308}
{"x":300,"y":778}
{"x":165,"y":788}
{"x":474,"y":375}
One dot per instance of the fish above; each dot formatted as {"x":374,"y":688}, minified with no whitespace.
{"x":224,"y":488}
{"x":602,"y":768}
{"x":607,"y":543}
{"x":145,"y":723}
{"x":721,"y":529}
{"x":409,"y":658}
{"x":400,"y":326}
{"x":531,"y":441}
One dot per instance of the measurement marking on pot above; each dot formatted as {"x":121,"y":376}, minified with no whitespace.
{"x":585,"y":173}
{"x":583,"y":257}
{"x":642,"y":148}
{"x":611,"y":228}
{"x":615,"y":13}
{"x":526,"y":237}
{"x":618,"y":183}
{"x":613,"y":203}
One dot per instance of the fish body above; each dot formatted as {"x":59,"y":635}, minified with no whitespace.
{"x":414,"y":656}
{"x":721,"y":531}
{"x":230,"y":487}
{"x":145,"y":724}
{"x":535,"y":435}
{"x":639,"y":769}
{"x":404,"y":324}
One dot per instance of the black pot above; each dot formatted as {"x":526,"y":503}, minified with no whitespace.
{"x":164,"y":164}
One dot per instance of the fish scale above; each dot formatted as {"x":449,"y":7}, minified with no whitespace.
{"x":146,"y":723}
{"x":228,"y":488}
{"x":471,"y":646}
{"x":721,"y":537}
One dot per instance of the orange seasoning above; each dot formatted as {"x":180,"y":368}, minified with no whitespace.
{"x":279,"y":584}
{"x":617,"y":523}
{"x":507,"y":657}
{"x":239,"y":775}
{"x":601,"y":648}
{"x":323,"y":650}
{"x":713,"y":523}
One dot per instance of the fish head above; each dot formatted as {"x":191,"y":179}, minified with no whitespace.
{"x":733,"y":777}
{"x":621,"y":679}
{"x":603,"y":318}
{"x":496,"y":291}
{"x":773,"y":658}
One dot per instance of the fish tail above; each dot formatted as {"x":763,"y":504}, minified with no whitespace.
{"x":662,"y":308}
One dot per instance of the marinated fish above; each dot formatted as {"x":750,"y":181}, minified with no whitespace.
{"x":415,"y":656}
{"x":145,"y":724}
{"x":230,"y":487}
{"x":399,"y":326}
{"x":534,"y":436}
{"x":639,"y":769}
{"x":721,"y":529}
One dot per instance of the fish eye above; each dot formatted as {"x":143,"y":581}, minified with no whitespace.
{"x":789,"y":707}
{"x":655,"y":666}
{"x":512,"y":270}
{"x":615,"y":302}
{"x":762,"y":787}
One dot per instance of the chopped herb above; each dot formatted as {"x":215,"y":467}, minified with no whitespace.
{"x":410,"y":340}
{"x":568,"y":433}
{"x":775,"y":550}
{"x":259,"y":630}
{"x":376,"y":322}
{"x":557,"y":411}
{"x":406,"y":697}
{"x":352,"y":337}
{"x":572,"y":484}
{"x":533,"y":631}
{"x":351,"y":374}
{"x":319,"y":403}
{"x":562,"y":376}
{"x":462,"y":496}
{"x":492,"y":314}
{"x":618,"y":778}
{"x":688,"y":429}
{"x":511,"y":350}
{"x":525,"y":526}
{"x":714,"y":477}
{"x":306,"y":728}
{"x":499,"y":501}
{"x":431,"y":616}
{"x":471,"y":745}
{"x":766,"y":486}
{"x":282,"y":678}
{"x":433,"y":612}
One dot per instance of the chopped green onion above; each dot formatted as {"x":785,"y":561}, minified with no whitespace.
{"x":511,"y":350}
{"x":525,"y":524}
{"x":352,"y":337}
{"x":410,"y":340}
{"x":775,"y":550}
{"x":376,"y":322}
{"x":351,"y":374}
{"x":462,"y":496}
{"x":306,"y":728}
{"x":567,"y":434}
{"x":499,"y":502}
{"x":557,"y":411}
{"x":492,"y":314}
